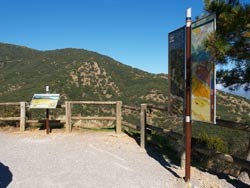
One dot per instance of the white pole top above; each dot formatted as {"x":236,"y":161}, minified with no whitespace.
{"x":188,"y":13}
{"x":47,"y":89}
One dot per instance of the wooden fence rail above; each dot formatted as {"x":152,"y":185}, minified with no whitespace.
{"x":169,"y":133}
{"x":21,"y":118}
{"x":69,"y":117}
{"x":118,"y":118}
{"x":245,"y":164}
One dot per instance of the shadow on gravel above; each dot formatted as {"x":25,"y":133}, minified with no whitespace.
{"x":5,"y":176}
{"x":236,"y":183}
{"x":152,"y":152}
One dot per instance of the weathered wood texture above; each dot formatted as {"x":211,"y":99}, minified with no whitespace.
{"x":133,"y":108}
{"x":92,"y":118}
{"x":9,"y":103}
{"x":158,"y":107}
{"x":118,"y":117}
{"x":22,"y":116}
{"x":68,"y":116}
{"x":9,"y":118}
{"x":131,"y":126}
{"x":232,"y":125}
{"x":94,"y":102}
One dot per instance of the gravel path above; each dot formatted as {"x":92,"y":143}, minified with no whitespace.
{"x":88,"y":159}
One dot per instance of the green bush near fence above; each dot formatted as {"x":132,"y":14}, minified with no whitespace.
{"x":212,"y":142}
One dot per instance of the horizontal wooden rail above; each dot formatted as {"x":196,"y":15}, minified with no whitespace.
{"x":157,"y":107}
{"x":9,"y":103}
{"x":131,"y":108}
{"x":69,"y":105}
{"x":93,"y":118}
{"x":158,"y":129}
{"x":130,"y":125}
{"x":232,"y":125}
{"x":219,"y":122}
{"x":9,"y":118}
{"x":225,"y":157}
{"x":43,"y":121}
{"x":92,"y":102}
{"x":32,"y":121}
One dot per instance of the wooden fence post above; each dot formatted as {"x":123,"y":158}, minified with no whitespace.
{"x":143,"y":124}
{"x":118,"y":117}
{"x":22,"y":116}
{"x":68,"y":116}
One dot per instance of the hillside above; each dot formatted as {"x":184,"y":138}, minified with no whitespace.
{"x":79,"y":74}
{"x":76,"y":74}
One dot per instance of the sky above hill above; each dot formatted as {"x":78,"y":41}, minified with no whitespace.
{"x":134,"y":32}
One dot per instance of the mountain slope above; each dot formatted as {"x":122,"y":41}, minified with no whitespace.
{"x":76,"y":74}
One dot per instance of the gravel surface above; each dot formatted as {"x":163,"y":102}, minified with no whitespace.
{"x":89,"y":159}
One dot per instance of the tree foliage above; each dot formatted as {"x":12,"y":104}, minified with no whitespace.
{"x":231,"y":41}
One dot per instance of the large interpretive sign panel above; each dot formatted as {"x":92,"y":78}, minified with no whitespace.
{"x":176,"y":71}
{"x":203,"y":72}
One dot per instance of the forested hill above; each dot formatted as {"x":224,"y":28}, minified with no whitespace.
{"x":76,"y":74}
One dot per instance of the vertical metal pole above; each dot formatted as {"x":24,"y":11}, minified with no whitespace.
{"x":47,"y":121}
{"x":188,"y":96}
{"x":47,"y":115}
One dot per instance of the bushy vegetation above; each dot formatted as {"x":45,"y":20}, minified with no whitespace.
{"x":212,"y":142}
{"x":25,"y":71}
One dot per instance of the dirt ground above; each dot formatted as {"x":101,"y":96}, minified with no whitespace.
{"x":91,"y":159}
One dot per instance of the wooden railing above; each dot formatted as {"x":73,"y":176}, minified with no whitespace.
{"x":245,"y":164}
{"x":69,"y":117}
{"x":141,"y":127}
{"x":20,"y":118}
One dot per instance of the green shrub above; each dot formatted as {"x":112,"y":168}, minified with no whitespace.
{"x":212,"y":142}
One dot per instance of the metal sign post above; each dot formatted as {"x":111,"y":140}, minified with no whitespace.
{"x":47,"y":115}
{"x":188,"y":97}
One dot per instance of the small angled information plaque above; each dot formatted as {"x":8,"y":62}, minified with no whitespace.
{"x":44,"y":101}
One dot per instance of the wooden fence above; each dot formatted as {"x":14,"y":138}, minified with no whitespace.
{"x":245,"y":164}
{"x":141,"y":127}
{"x":20,"y":118}
{"x":68,"y":116}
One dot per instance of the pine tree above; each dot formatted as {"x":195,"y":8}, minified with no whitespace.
{"x":231,"y":41}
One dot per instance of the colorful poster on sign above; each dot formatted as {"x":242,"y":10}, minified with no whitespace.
{"x":44,"y":101}
{"x":176,"y":71}
{"x":203,"y":72}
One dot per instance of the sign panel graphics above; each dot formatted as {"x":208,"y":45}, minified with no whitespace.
{"x":44,"y":101}
{"x":176,"y":71}
{"x":203,"y":72}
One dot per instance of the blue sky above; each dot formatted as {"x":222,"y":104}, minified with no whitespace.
{"x":134,"y":32}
